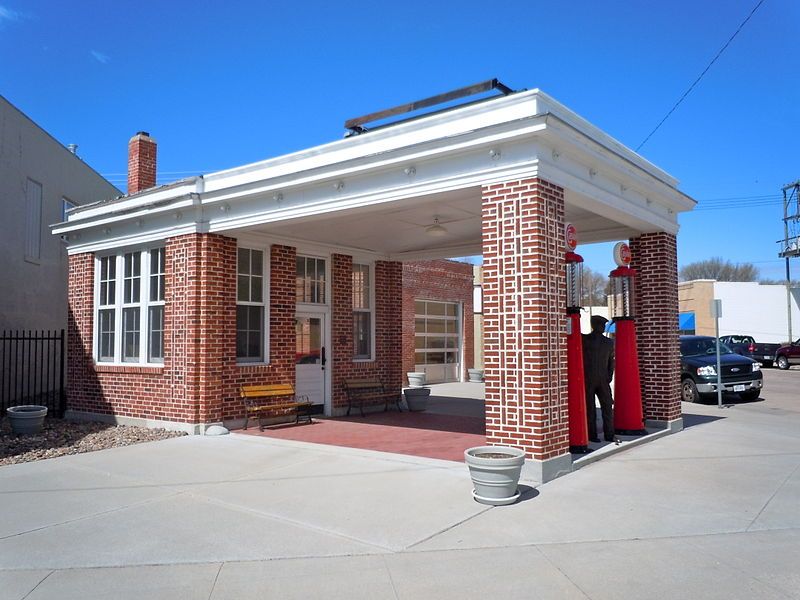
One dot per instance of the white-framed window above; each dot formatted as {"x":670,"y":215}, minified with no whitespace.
{"x":251,"y":331}
{"x":310,"y":280}
{"x":129,"y":302}
{"x":155,"y":335}
{"x":33,"y":221}
{"x":363,"y":312}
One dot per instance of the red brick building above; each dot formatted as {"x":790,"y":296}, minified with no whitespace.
{"x":290,"y":270}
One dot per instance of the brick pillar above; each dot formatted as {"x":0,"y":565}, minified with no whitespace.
{"x":80,"y":321}
{"x":341,"y":326}
{"x":525,"y":331}
{"x":389,"y":322}
{"x":654,"y":256}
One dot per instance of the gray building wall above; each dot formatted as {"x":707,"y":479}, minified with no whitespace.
{"x":34,"y":292}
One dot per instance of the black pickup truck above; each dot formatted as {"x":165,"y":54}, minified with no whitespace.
{"x":740,"y":374}
{"x":747,"y":346}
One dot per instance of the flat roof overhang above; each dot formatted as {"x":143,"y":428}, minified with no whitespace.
{"x":377,"y":192}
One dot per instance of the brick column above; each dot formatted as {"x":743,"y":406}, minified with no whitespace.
{"x":654,"y":256}
{"x":524,"y":322}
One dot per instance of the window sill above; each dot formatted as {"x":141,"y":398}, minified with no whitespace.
{"x":252,"y":364}
{"x":363,"y":360}
{"x":149,"y":369}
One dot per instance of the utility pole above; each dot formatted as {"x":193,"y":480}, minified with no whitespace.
{"x":790,"y":244}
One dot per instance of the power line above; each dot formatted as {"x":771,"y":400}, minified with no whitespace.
{"x":699,"y":77}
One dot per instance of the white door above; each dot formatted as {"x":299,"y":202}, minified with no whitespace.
{"x":310,"y":356}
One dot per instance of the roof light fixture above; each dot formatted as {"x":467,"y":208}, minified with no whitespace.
{"x":436,"y":230}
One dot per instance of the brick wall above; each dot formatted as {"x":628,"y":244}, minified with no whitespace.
{"x":524,"y":322}
{"x":444,"y":280}
{"x":654,"y":256}
{"x":199,"y":381}
{"x":387,"y":365}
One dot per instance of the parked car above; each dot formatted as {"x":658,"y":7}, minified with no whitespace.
{"x":746,"y":345}
{"x":788,"y":355}
{"x":740,"y":374}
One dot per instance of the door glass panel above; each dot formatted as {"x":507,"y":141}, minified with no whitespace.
{"x":308,"y":337}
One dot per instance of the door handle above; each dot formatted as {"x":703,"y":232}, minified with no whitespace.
{"x":324,"y":360}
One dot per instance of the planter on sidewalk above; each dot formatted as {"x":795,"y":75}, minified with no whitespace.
{"x":26,"y":419}
{"x":417,"y":398}
{"x":416,"y":380}
{"x":495,"y":472}
{"x":475,"y":375}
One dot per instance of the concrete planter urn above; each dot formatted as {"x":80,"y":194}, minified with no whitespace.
{"x":475,"y":375}
{"x":26,"y":419}
{"x":416,"y":379}
{"x":495,"y":472}
{"x":417,"y":398}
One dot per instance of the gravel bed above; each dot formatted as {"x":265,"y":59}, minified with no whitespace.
{"x":59,"y":437}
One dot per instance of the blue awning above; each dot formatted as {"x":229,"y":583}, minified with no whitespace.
{"x":685,"y":323}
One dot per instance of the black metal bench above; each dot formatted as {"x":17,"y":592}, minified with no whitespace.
{"x":359,"y":390}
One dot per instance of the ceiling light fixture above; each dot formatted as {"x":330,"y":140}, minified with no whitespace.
{"x":436,"y":230}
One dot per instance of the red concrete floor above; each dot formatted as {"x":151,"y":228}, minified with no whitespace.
{"x":426,"y":434}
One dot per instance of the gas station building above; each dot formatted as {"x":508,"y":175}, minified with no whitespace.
{"x":180,"y":294}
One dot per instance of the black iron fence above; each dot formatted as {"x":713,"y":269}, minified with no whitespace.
{"x":32,"y":370}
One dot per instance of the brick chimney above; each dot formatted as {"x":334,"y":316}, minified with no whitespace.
{"x":141,"y":162}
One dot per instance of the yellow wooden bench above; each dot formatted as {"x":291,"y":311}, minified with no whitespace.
{"x":256,"y":402}
{"x":359,"y":390}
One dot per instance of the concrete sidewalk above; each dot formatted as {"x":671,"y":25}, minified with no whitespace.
{"x":712,"y":512}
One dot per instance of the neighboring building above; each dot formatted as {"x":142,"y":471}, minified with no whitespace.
{"x":290,"y":270}
{"x":438,"y":334}
{"x":748,"y":308}
{"x":39,"y":180}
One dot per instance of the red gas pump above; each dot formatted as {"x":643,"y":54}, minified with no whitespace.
{"x":628,"y":417}
{"x":576,"y":391}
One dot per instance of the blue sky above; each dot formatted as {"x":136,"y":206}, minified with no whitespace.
{"x":222,"y":84}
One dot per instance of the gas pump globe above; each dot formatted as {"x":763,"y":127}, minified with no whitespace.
{"x":628,"y":412}
{"x":576,"y":390}
{"x":574,"y":267}
{"x":622,"y":287}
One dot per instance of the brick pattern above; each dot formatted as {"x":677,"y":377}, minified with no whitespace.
{"x":523,"y":306}
{"x":654,"y":257}
{"x":141,"y":163}
{"x":387,"y":365}
{"x":445,"y":280}
{"x":199,"y":381}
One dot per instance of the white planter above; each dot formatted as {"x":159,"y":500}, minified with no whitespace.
{"x":26,"y":419}
{"x":475,"y":375}
{"x":417,"y":398}
{"x":495,"y":472}
{"x":416,"y":379}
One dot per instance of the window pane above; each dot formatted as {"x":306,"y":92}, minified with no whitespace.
{"x":436,"y":342}
{"x":419,"y":307}
{"x":436,"y":326}
{"x":436,"y":308}
{"x":451,"y":310}
{"x":419,"y":342}
{"x":361,"y":286}
{"x":130,"y":334}
{"x":256,"y":262}
{"x":156,"y":337}
{"x":256,"y":289}
{"x":106,"y":335}
{"x":419,"y":325}
{"x":451,"y":357}
{"x":435,"y":358}
{"x":249,"y":332}
{"x":157,"y":262}
{"x":133,"y":270}
{"x":243,"y":261}
{"x":361,"y":335}
{"x":243,"y":288}
{"x":419,"y":358}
